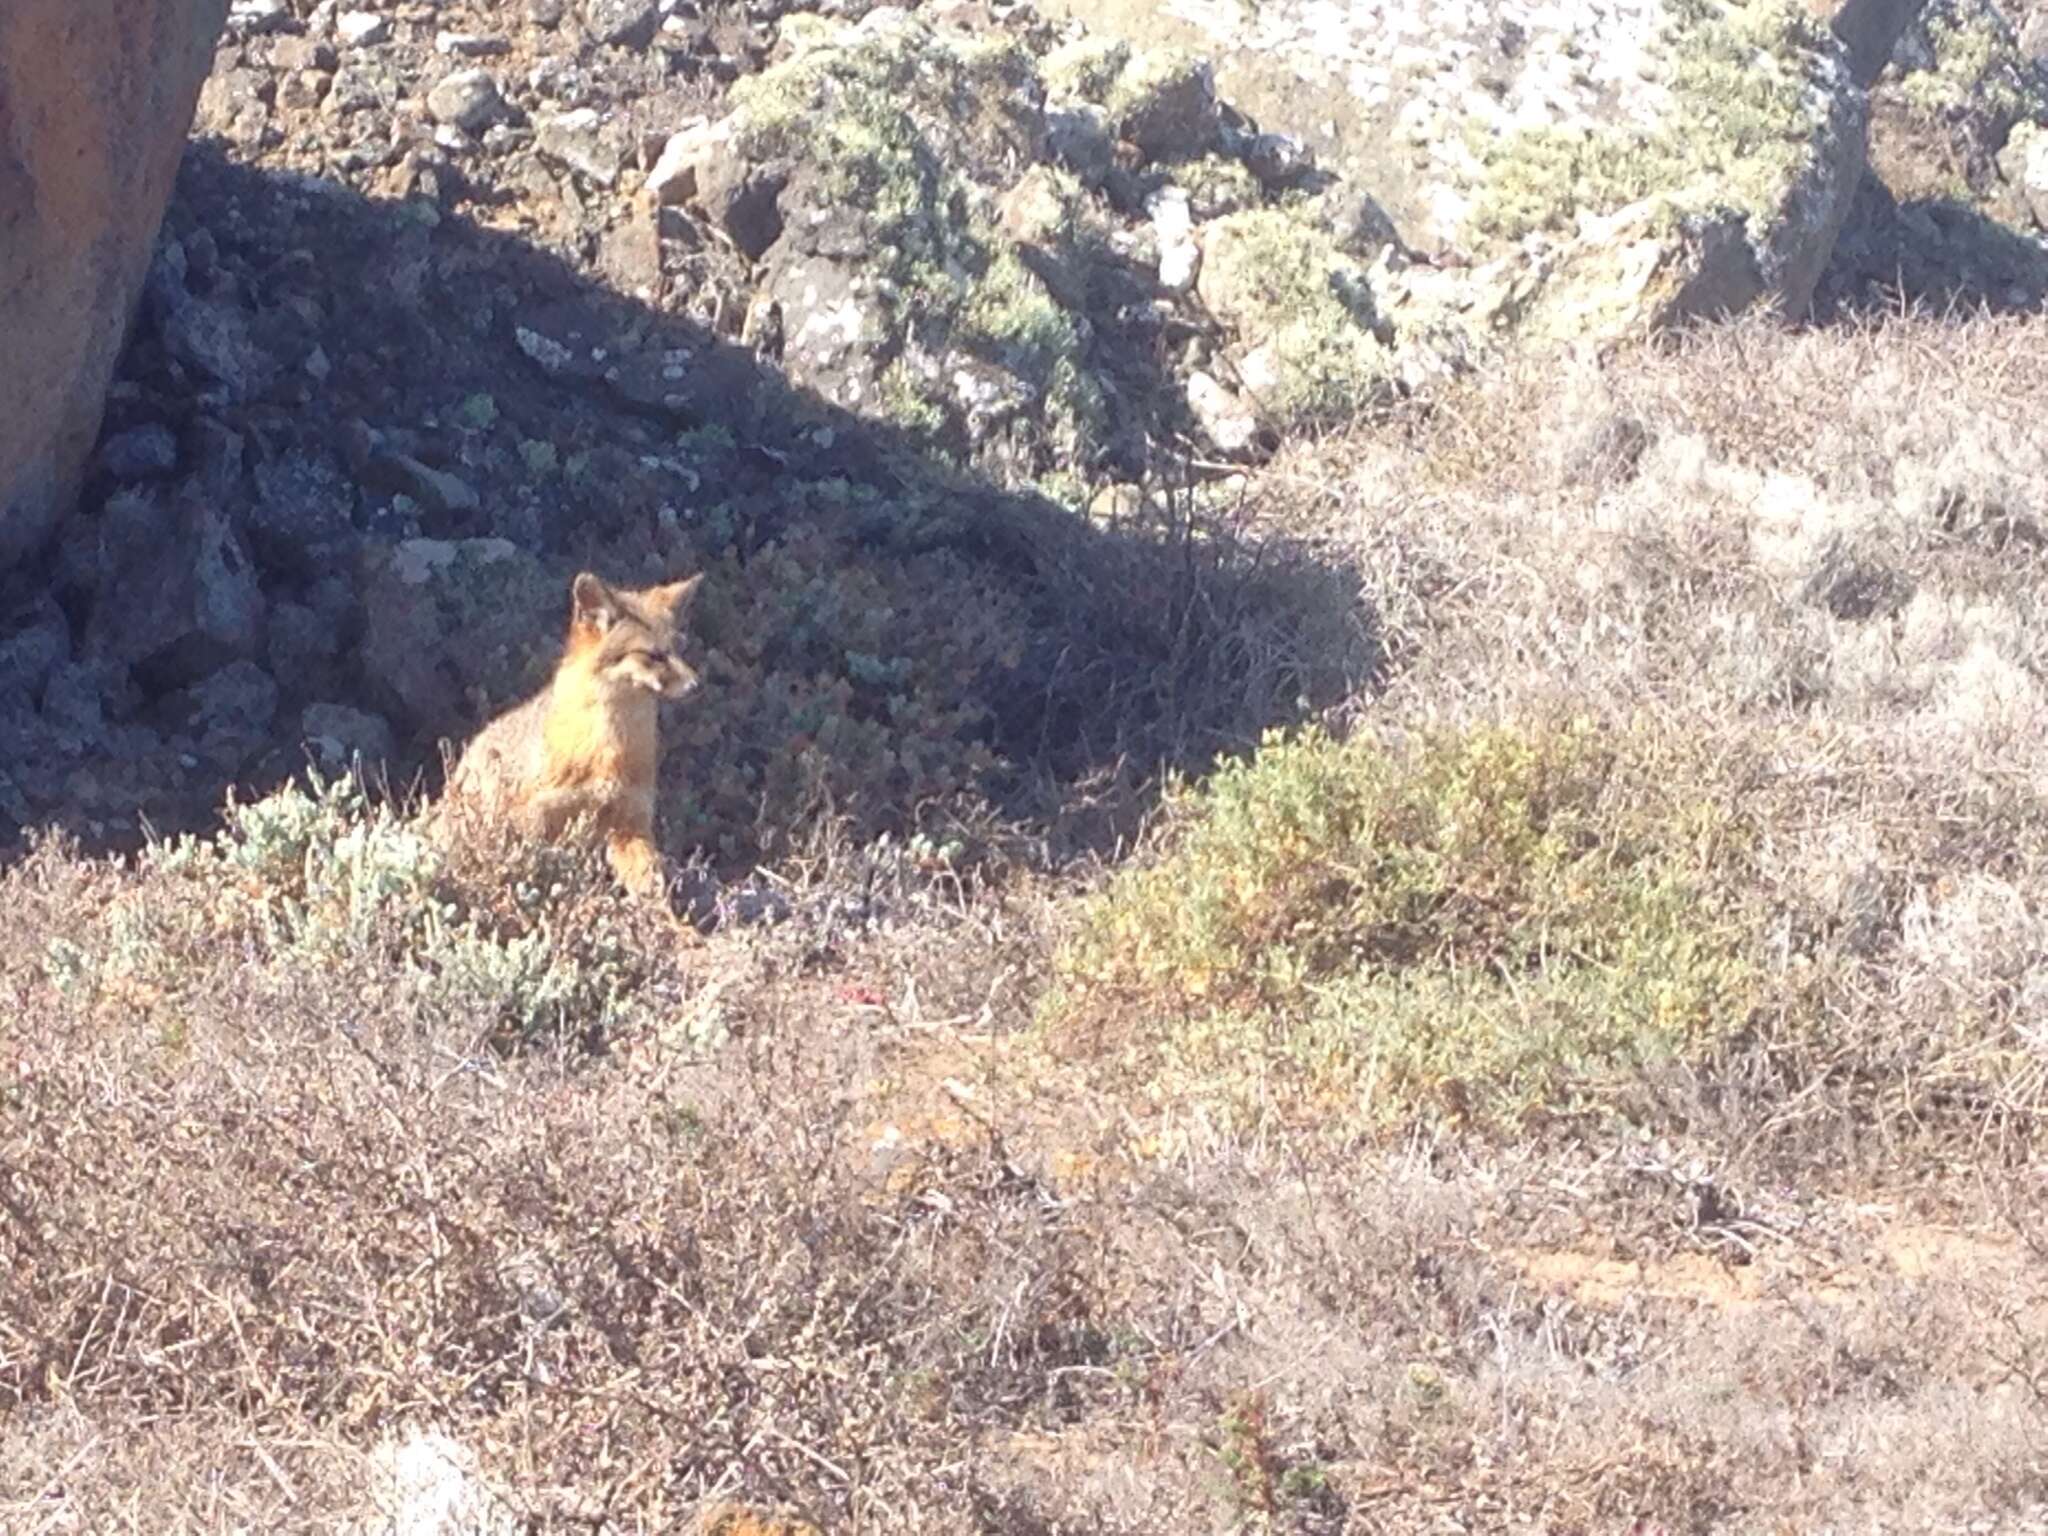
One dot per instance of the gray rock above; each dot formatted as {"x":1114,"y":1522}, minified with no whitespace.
{"x":300,"y":646}
{"x":74,"y":705}
{"x":576,"y":139}
{"x":629,"y":254}
{"x":623,"y":23}
{"x":1355,"y":219}
{"x":1165,"y":103}
{"x":303,"y":518}
{"x":443,"y":496}
{"x":453,"y":628}
{"x":1870,"y":30}
{"x":686,"y":154}
{"x":468,"y":99}
{"x":35,"y":640}
{"x":2024,"y":165}
{"x":141,"y":453}
{"x":1279,"y":160}
{"x":303,"y":53}
{"x":213,"y":337}
{"x":240,"y":698}
{"x":177,"y":590}
{"x":744,"y":200}
{"x":341,"y":737}
{"x":546,"y":13}
{"x":834,"y":327}
{"x":2033,"y":39}
{"x":1078,"y":137}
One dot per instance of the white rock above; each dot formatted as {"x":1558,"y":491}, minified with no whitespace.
{"x":1226,"y":420}
{"x":362,"y":28}
{"x":1180,"y":262}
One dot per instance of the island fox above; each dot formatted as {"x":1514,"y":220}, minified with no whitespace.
{"x":582,"y":753}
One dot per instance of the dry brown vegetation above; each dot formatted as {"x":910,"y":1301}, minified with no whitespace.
{"x":998,"y":1187}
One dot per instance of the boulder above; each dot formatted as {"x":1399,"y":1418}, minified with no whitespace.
{"x":1493,"y":130}
{"x":454,"y":629}
{"x":178,"y":592}
{"x":95,"y":102}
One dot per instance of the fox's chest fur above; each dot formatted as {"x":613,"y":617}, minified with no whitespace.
{"x":572,"y":750}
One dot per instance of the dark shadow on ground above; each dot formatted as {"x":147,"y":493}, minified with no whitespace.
{"x":1929,"y":254}
{"x":882,"y":634}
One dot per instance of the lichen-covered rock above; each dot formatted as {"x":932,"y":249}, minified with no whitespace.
{"x":95,"y":102}
{"x":1302,"y":312}
{"x":1646,"y":268}
{"x":906,"y":285}
{"x":1492,"y":128}
{"x":1961,"y":78}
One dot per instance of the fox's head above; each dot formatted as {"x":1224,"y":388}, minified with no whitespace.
{"x":634,"y":639}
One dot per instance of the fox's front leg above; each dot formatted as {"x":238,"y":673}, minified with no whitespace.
{"x":644,"y":872}
{"x":638,"y":864}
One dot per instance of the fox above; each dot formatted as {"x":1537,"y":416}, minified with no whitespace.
{"x":582,"y":753}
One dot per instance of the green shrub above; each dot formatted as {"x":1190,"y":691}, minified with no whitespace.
{"x":1490,"y":923}
{"x":513,"y":943}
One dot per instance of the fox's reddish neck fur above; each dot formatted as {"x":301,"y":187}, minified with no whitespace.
{"x":598,"y":728}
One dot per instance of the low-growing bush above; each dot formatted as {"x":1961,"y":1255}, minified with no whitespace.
{"x":1488,"y":922}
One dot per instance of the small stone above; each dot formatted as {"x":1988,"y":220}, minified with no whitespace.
{"x":623,"y":23}
{"x":253,"y":18}
{"x":1279,"y":160}
{"x":341,"y":737}
{"x":214,"y":338}
{"x":467,"y":99}
{"x":302,"y":90}
{"x":1170,"y":213}
{"x":574,"y":139}
{"x":674,"y":177}
{"x":436,"y":490}
{"x":140,"y":453}
{"x":74,"y":703}
{"x":299,"y":53}
{"x":2024,"y":165}
{"x":629,"y":253}
{"x":546,"y":13}
{"x":362,"y":29}
{"x":1180,"y":262}
{"x":1225,"y":419}
{"x":1079,"y":138}
{"x":470,"y":45}
{"x":303,"y":518}
{"x":241,"y":697}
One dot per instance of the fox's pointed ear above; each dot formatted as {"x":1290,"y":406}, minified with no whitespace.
{"x":677,"y":596}
{"x":592,"y":602}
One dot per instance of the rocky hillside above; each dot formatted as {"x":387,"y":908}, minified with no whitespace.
{"x":453,"y":297}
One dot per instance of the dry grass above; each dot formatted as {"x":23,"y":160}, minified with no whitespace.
{"x":807,"y":1228}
